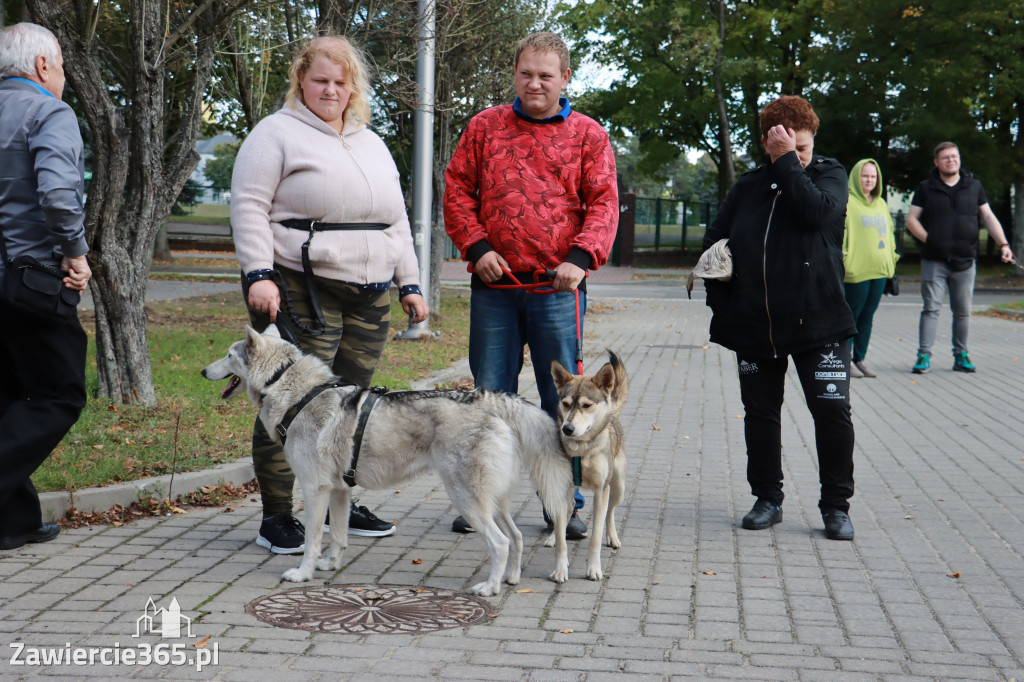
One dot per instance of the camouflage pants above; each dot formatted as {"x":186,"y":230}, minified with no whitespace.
{"x":357,"y":325}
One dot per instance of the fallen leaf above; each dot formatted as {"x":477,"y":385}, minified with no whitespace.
{"x":523,"y":591}
{"x":954,"y":575}
{"x":567,"y":631}
{"x":417,"y":561}
{"x":655,"y":427}
{"x":710,"y":572}
{"x":201,"y":643}
{"x":98,"y":446}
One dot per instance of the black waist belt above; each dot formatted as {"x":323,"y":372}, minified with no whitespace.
{"x":314,"y":226}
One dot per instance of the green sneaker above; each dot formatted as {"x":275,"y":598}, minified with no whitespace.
{"x":962,"y":363}
{"x":923,"y":363}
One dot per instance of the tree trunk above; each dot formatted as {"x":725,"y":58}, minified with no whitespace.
{"x":726,"y":167}
{"x":139,"y":168}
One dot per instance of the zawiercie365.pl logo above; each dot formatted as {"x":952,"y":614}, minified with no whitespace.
{"x":168,"y":623}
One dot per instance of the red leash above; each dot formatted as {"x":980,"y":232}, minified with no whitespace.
{"x":537,"y":287}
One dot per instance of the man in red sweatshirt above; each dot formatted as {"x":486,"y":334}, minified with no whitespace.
{"x":531,"y":186}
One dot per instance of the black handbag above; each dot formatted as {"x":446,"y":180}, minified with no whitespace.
{"x":892,"y":286}
{"x":38,"y":289}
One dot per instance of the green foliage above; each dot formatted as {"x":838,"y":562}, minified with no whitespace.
{"x":218,"y":169}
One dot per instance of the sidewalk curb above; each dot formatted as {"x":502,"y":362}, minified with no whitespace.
{"x":88,"y":500}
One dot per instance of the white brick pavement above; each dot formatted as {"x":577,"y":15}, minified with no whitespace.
{"x":940,"y":490}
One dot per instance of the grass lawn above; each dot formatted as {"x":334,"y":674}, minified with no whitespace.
{"x":192,"y":428}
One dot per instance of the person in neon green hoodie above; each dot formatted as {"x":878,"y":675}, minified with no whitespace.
{"x":869,"y":255}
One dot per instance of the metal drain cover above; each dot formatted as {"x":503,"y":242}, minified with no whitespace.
{"x":365,"y":609}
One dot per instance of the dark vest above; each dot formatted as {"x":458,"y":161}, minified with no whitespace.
{"x":950,"y":216}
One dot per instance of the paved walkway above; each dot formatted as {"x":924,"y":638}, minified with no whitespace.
{"x":932,"y":587}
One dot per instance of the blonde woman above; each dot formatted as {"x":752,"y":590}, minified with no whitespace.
{"x":869,"y":255}
{"x":315,"y":164}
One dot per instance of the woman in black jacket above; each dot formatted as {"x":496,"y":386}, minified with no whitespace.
{"x":784,"y":222}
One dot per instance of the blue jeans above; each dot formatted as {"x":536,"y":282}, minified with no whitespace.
{"x":503,"y":321}
{"x":935,"y":278}
{"x":863,"y":298}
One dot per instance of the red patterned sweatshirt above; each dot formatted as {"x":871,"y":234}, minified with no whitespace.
{"x":538,"y":193}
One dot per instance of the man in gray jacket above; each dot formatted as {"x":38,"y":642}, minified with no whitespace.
{"x":42,"y":370}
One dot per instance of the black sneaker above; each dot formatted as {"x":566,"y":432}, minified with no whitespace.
{"x":575,"y":529}
{"x":837,"y":525}
{"x":762,"y":515}
{"x":282,"y":534}
{"x":361,"y":521}
{"x":461,"y":525}
{"x":46,"y":532}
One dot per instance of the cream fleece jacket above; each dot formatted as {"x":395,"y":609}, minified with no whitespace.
{"x":294,"y":165}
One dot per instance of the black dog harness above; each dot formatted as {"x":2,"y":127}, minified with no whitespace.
{"x":364,"y":415}
{"x":314,"y":226}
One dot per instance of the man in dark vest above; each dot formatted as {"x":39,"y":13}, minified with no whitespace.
{"x":944,"y":216}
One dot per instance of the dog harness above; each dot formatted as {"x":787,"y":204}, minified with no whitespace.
{"x":364,"y":415}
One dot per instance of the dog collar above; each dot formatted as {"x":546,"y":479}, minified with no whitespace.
{"x":280,"y":372}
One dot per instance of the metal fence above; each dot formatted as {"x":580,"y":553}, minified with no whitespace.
{"x":672,"y":223}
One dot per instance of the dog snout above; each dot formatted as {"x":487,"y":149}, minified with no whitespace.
{"x":203,"y":372}
{"x":568,"y":429}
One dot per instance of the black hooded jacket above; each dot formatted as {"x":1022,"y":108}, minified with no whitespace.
{"x":785,"y":229}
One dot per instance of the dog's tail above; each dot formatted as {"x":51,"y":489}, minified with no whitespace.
{"x":541,"y":454}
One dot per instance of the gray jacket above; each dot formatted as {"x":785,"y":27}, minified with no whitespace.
{"x":41,"y":175}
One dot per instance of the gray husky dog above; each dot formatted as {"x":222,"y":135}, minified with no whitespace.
{"x":476,"y":442}
{"x":588,"y":422}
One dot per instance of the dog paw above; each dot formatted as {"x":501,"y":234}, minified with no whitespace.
{"x":295,"y":575}
{"x":327,"y":564}
{"x":594,"y":571}
{"x":484,"y":589}
{"x":512,"y":579}
{"x":561,"y":572}
{"x":550,"y":542}
{"x":614,"y":543}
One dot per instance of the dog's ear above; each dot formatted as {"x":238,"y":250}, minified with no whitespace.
{"x":605,"y":378}
{"x":560,"y":374}
{"x":252,"y":337}
{"x":272,"y":331}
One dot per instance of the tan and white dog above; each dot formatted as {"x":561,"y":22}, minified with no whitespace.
{"x":588,"y":422}
{"x":475,"y":441}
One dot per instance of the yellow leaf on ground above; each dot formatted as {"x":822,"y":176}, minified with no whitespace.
{"x":954,"y":575}
{"x":201,"y":643}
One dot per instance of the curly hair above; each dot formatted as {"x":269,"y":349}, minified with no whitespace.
{"x":340,"y":51}
{"x":789,"y":111}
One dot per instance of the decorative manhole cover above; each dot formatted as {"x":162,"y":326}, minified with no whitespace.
{"x":379,"y":609}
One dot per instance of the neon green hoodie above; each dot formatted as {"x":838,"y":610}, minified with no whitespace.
{"x":869,"y":245}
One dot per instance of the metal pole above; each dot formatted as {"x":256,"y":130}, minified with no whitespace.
{"x":423,"y":156}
